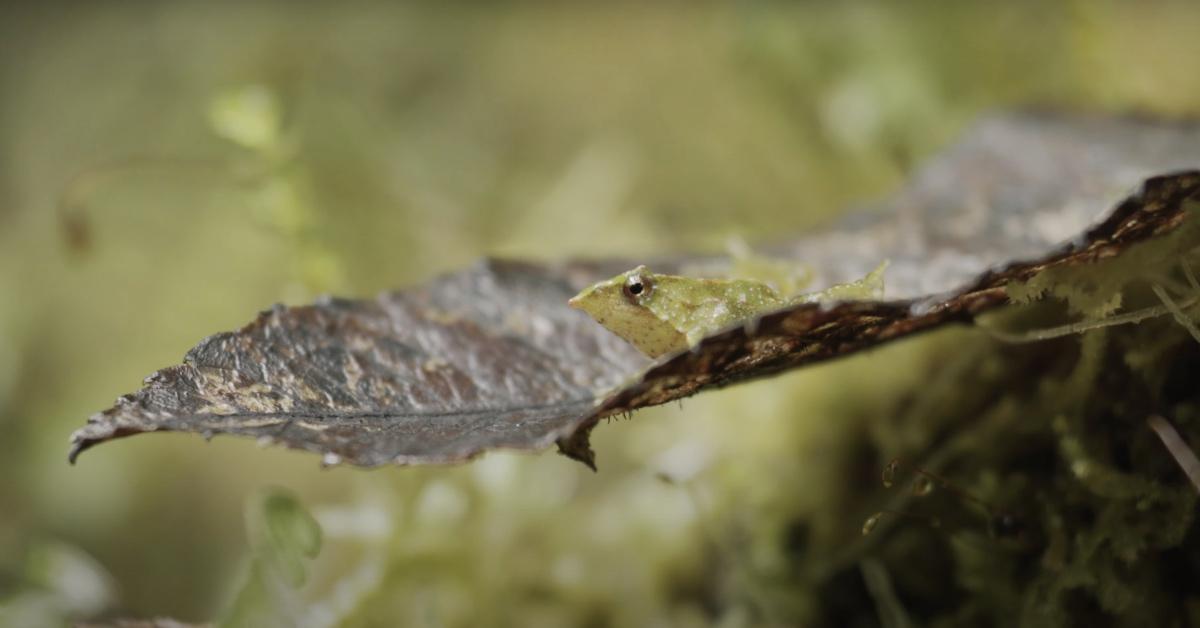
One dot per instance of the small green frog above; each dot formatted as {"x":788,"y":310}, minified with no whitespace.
{"x":661,"y":314}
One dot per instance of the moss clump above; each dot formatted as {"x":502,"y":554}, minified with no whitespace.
{"x":1060,"y":507}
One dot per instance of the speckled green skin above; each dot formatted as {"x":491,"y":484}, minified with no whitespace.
{"x":678,"y":312}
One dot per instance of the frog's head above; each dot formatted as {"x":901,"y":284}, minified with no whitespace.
{"x":622,"y":305}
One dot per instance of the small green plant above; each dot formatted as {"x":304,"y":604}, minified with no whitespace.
{"x":284,"y":537}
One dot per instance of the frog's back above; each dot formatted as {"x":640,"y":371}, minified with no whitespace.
{"x":698,"y":307}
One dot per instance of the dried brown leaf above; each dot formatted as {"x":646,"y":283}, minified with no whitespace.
{"x":492,"y":358}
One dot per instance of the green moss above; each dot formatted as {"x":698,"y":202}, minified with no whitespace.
{"x":1050,"y":437}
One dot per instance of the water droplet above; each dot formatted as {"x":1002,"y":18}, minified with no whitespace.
{"x":922,"y":486}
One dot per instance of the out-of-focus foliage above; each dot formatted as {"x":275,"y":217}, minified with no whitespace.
{"x":413,"y":139}
{"x":284,"y":536}
{"x":52,"y":581}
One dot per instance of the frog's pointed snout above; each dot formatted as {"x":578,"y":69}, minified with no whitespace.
{"x":584,"y":302}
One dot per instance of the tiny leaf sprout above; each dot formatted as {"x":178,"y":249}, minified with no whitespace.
{"x":1000,"y":524}
{"x":925,"y":482}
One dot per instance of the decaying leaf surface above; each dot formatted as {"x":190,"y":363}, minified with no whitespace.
{"x":493,"y":358}
{"x":490,"y":357}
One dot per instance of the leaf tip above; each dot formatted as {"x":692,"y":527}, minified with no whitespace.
{"x":79,"y":443}
{"x":577,"y":447}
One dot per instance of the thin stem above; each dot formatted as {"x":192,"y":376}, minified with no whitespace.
{"x":947,"y":486}
{"x":1178,"y":448}
{"x":1191,"y":277}
{"x":1177,"y":311}
{"x":1080,"y":327}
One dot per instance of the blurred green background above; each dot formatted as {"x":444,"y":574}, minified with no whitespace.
{"x":169,"y":169}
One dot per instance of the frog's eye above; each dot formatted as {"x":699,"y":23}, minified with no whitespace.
{"x":637,"y":288}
